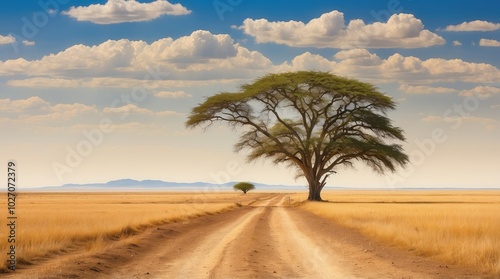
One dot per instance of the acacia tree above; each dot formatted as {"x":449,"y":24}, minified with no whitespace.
{"x":312,"y":121}
{"x":243,"y":186}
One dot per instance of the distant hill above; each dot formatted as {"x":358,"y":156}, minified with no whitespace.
{"x":157,"y":185}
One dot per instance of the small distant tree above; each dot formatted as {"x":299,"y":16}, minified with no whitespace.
{"x":244,"y":187}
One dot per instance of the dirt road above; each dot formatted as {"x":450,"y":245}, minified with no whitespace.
{"x":264,"y":240}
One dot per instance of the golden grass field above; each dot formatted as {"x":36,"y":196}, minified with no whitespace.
{"x":457,"y":227}
{"x":49,"y":223}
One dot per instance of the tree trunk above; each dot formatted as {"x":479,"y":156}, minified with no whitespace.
{"x":315,"y":192}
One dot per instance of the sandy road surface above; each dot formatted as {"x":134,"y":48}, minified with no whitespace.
{"x":264,"y":240}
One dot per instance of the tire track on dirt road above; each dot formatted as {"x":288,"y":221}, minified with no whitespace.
{"x":307,"y":258}
{"x":262,"y":243}
{"x":204,"y":259}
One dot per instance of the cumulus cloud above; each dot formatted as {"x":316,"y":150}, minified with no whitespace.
{"x":360,"y":63}
{"x":456,"y":69}
{"x":457,"y":43}
{"x":422,"y":89}
{"x":24,"y":105}
{"x":476,"y":25}
{"x":482,"y":92}
{"x":9,"y":39}
{"x":200,"y":46}
{"x":76,"y":60}
{"x":36,"y":110}
{"x":172,"y":94}
{"x":331,"y":31}
{"x":61,"y":113}
{"x":203,"y":58}
{"x":358,"y":57}
{"x":199,"y":56}
{"x":489,"y":43}
{"x":119,"y":11}
{"x":307,"y":61}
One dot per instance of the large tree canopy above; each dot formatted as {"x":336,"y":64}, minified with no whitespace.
{"x":313,"y":121}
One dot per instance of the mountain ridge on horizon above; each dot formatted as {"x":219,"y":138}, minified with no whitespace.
{"x":129,"y":183}
{"x":155,"y":184}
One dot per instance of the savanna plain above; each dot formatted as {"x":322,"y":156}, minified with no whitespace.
{"x":355,"y":234}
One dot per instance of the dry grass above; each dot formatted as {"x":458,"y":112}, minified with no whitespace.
{"x":50,"y":223}
{"x":456,"y":227}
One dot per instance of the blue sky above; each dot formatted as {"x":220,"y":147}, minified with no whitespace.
{"x":92,"y":91}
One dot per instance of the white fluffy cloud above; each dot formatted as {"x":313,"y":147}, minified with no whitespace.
{"x":203,"y":58}
{"x":199,"y":56}
{"x":457,"y":69}
{"x":23,"y":105}
{"x":118,"y":11}
{"x":307,"y":61}
{"x":76,"y":60}
{"x":36,"y":110}
{"x":360,"y":63}
{"x":457,"y":43}
{"x":423,"y":89}
{"x":61,"y":113}
{"x":358,"y":57}
{"x":330,"y":31}
{"x":9,"y":39}
{"x":476,"y":25}
{"x":482,"y":92}
{"x":489,"y":43}
{"x":200,"y":46}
